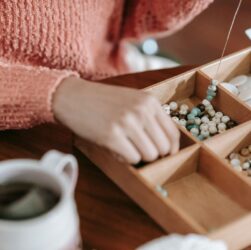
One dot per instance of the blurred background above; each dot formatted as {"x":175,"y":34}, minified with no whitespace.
{"x":202,"y":40}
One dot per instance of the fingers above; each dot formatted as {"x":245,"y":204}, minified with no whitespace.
{"x":170,"y":129}
{"x":157,"y":135}
{"x":124,"y":147}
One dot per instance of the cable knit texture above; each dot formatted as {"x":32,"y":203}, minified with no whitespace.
{"x":42,"y":42}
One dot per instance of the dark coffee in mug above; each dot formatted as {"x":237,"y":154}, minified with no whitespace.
{"x":24,"y":200}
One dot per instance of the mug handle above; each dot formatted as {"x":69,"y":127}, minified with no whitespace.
{"x":62,"y":164}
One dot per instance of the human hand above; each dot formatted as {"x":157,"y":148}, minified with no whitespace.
{"x":127,"y":121}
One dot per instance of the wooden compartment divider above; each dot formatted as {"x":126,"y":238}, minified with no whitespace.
{"x":205,"y":195}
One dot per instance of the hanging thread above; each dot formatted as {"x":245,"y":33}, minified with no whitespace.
{"x":228,"y":37}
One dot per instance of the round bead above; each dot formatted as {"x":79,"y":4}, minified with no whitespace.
{"x":245,"y":165}
{"x":183,"y":111}
{"x":204,"y":119}
{"x":238,"y":168}
{"x":218,"y":114}
{"x":206,"y":103}
{"x":212,"y":130}
{"x":209,"y":107}
{"x":222,"y":126}
{"x":205,"y":133}
{"x":197,"y":121}
{"x":214,"y":82}
{"x":175,"y":119}
{"x":245,"y":152}
{"x":235,"y":162}
{"x":201,"y":107}
{"x":184,"y":107}
{"x":204,"y":127}
{"x":216,"y":120}
{"x":211,"y":113}
{"x":195,"y":131}
{"x":196,"y":111}
{"x":200,"y":137}
{"x":211,"y":93}
{"x":189,"y":127}
{"x":190,"y":116}
{"x":211,"y":123}
{"x":234,"y":156}
{"x":231,"y":124}
{"x":183,"y":122}
{"x":210,"y":97}
{"x":212,"y":88}
{"x":225,"y":119}
{"x":173,"y":105}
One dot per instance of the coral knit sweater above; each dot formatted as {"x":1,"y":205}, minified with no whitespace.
{"x":44,"y":41}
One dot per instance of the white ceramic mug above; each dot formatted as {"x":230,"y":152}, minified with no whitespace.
{"x":57,"y":229}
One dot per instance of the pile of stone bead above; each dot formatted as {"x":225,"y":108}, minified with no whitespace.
{"x":241,"y":161}
{"x":202,"y":121}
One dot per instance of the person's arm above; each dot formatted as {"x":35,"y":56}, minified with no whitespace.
{"x":26,"y":93}
{"x":159,"y":17}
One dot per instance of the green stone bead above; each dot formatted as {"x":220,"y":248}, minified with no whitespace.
{"x":209,"y":97}
{"x":196,"y":111}
{"x":189,"y":127}
{"x":190,"y":116}
{"x":200,"y":137}
{"x":211,"y":92}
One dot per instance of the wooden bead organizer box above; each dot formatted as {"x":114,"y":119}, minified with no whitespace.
{"x":204,"y":194}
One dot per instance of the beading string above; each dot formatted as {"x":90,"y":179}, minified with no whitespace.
{"x":228,"y":37}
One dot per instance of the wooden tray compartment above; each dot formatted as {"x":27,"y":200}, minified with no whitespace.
{"x":190,"y":88}
{"x":206,"y":196}
{"x":215,"y":206}
{"x":233,"y":65}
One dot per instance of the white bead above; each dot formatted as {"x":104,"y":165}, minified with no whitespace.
{"x":206,"y":102}
{"x":195,"y":131}
{"x":215,"y":82}
{"x":212,"y":87}
{"x":245,"y":152}
{"x":235,"y":162}
{"x":183,"y":122}
{"x":204,"y":119}
{"x":216,"y":120}
{"x":239,"y":80}
{"x":225,"y":119}
{"x":197,"y":121}
{"x":222,"y":126}
{"x":212,"y":123}
{"x":234,"y":156}
{"x":175,"y":119}
{"x":218,"y":114}
{"x":209,"y":107}
{"x":211,"y":113}
{"x":173,"y":105}
{"x":204,"y":127}
{"x":184,"y":107}
{"x":238,"y":168}
{"x":231,"y":88}
{"x":212,"y":130}
{"x":183,"y":111}
{"x":245,"y":166}
{"x":205,"y":133}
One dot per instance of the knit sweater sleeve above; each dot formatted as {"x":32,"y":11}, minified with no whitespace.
{"x":159,"y":17}
{"x":26,"y":94}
